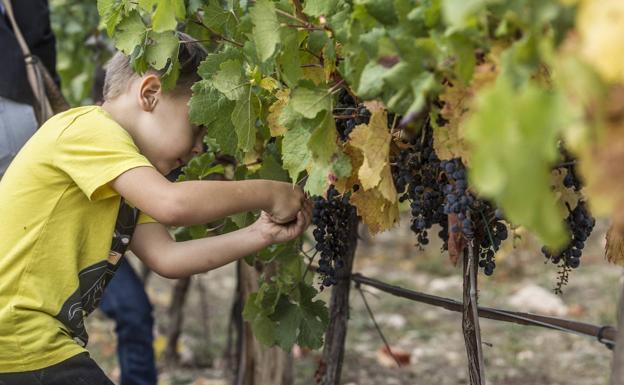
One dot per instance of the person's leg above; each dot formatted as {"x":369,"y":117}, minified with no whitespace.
{"x":126,"y":302}
{"x":17,"y":125}
{"x":77,"y":370}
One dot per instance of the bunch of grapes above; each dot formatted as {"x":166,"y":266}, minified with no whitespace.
{"x":331,"y":218}
{"x":494,"y":232}
{"x":580,"y":223}
{"x":457,"y":199}
{"x":416,"y":172}
{"x":349,"y":114}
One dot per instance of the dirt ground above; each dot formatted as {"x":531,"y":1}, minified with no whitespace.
{"x":430,"y":336}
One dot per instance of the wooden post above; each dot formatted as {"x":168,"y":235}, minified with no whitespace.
{"x":259,"y":365}
{"x":617,"y":366}
{"x":330,"y":367}
{"x":176,"y":317}
{"x":470,"y":319}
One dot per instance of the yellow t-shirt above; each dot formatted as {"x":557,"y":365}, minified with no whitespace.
{"x":58,"y":214}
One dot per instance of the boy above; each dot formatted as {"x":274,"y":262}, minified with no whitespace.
{"x":60,"y":199}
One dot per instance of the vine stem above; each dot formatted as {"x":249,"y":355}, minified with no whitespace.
{"x":295,"y":18}
{"x":372,"y":316}
{"x":216,"y":34}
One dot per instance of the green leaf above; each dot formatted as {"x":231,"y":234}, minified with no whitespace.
{"x":244,"y":120}
{"x":322,"y":143}
{"x":310,"y":101}
{"x":229,"y":79}
{"x":263,"y":328}
{"x":111,"y":12}
{"x":514,"y":136}
{"x":217,"y":18}
{"x":314,"y":319}
{"x":209,"y":67}
{"x":295,"y":154}
{"x":288,"y":317}
{"x":162,"y":50}
{"x":460,"y":13}
{"x":266,"y":28}
{"x":166,"y":13}
{"x":147,"y":5}
{"x":318,"y":8}
{"x":382,"y":10}
{"x":465,"y":56}
{"x":272,"y":169}
{"x":288,"y":59}
{"x":371,"y":83}
{"x":130,"y":32}
{"x":318,"y":178}
{"x":341,"y":166}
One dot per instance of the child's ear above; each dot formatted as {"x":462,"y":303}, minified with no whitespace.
{"x":150,"y":90}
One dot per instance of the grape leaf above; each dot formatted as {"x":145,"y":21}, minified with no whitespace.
{"x":449,"y":140}
{"x":295,"y":154}
{"x":130,"y":32}
{"x":217,"y":18}
{"x":310,"y":101}
{"x":161,"y":50}
{"x":167,"y":11}
{"x":266,"y":28}
{"x":112,"y":12}
{"x":506,"y":125}
{"x":244,"y":119}
{"x":222,"y":130}
{"x":460,"y":13}
{"x":263,"y":327}
{"x":318,"y":178}
{"x":229,"y":80}
{"x":322,"y":143}
{"x":288,"y":59}
{"x":378,"y":213}
{"x":614,"y":248}
{"x":371,"y":80}
{"x":275,"y":111}
{"x":206,"y":103}
{"x":272,"y":169}
{"x":598,"y":23}
{"x":373,"y":139}
{"x":320,"y":7}
{"x":288,"y":317}
{"x":211,"y":65}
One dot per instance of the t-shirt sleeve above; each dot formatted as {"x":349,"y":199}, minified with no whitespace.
{"x":94,"y":153}
{"x":144,"y":218}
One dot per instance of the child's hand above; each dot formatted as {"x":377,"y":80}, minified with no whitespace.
{"x":287,"y":201}
{"x":274,"y":232}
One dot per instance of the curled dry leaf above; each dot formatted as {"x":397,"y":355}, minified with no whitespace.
{"x":614,"y":249}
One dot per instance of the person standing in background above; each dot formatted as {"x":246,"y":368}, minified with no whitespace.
{"x":17,"y":117}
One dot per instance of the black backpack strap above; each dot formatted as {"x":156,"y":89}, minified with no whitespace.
{"x":124,"y":227}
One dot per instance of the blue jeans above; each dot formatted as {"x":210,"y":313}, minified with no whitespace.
{"x":126,"y":302}
{"x":17,"y":124}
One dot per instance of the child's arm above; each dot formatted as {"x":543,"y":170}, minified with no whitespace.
{"x":155,"y":247}
{"x":197,"y":202}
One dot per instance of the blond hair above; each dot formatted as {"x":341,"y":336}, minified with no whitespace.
{"x":120,"y":74}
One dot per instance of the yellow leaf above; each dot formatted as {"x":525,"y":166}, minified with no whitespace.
{"x":373,"y":139}
{"x":344,"y":184}
{"x":268,"y":83}
{"x":314,"y":73}
{"x":275,"y":110}
{"x":601,"y":27}
{"x":376,"y":212}
{"x":565,"y":195}
{"x":614,"y":249}
{"x":448,"y":140}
